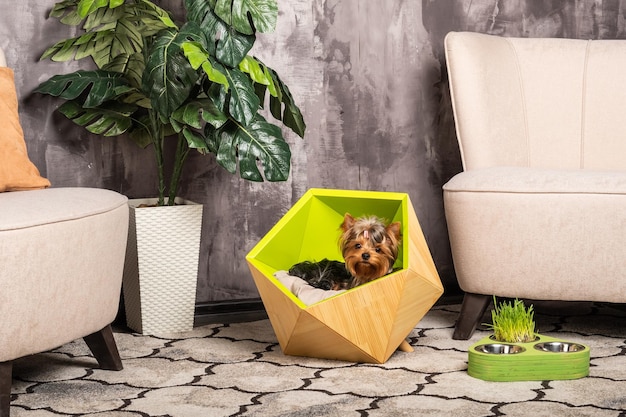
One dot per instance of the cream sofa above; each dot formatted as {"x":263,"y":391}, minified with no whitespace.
{"x":61,"y":255}
{"x":539,"y":211}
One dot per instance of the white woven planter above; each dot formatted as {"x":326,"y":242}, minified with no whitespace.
{"x":161,"y":270}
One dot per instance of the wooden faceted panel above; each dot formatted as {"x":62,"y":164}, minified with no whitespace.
{"x":366,"y":323}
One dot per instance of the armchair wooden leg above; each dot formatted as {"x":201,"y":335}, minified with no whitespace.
{"x":6,"y":379}
{"x":472,"y":310}
{"x":102,"y":345}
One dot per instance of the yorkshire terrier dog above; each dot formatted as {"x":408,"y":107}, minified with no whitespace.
{"x":369,"y":249}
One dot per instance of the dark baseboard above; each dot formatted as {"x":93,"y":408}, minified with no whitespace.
{"x":244,"y":310}
{"x":251,"y":309}
{"x":449,"y":299}
{"x":230,"y":311}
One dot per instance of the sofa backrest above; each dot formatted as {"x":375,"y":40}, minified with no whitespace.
{"x":549,"y":103}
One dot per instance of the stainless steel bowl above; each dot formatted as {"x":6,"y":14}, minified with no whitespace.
{"x":559,"y":347}
{"x":499,"y":349}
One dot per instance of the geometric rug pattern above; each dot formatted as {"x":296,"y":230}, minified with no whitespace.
{"x":238,"y":370}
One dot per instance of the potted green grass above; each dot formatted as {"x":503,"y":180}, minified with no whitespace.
{"x":515,"y":352}
{"x":512,"y":322}
{"x":191,"y":83}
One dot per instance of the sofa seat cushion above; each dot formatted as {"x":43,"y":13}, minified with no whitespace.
{"x":23,"y":209}
{"x":515,"y":232}
{"x":538,"y":180}
{"x":62,"y":254}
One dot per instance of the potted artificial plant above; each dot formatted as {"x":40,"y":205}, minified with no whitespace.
{"x":515,"y":352}
{"x":191,"y":82}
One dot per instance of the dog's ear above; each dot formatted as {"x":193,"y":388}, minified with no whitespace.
{"x":394,"y":230}
{"x":348,"y":222}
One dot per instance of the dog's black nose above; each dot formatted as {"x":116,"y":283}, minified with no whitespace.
{"x":365,"y":256}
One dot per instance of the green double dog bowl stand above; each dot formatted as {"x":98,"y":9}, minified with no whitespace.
{"x":545,"y":358}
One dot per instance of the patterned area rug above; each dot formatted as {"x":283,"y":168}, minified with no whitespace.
{"x":239,"y":370}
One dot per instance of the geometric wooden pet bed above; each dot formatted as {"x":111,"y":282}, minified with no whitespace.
{"x":367,"y":323}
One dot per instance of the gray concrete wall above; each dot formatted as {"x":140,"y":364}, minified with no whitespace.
{"x":370,"y":79}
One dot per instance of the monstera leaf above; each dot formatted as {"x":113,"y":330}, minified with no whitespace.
{"x":86,"y":7}
{"x":259,"y":73}
{"x":198,"y":111}
{"x":291,"y":115}
{"x":243,"y":103}
{"x":122,"y":37}
{"x":112,"y":28}
{"x":191,"y":118}
{"x":228,"y":45}
{"x":238,"y":13}
{"x":198,"y":57}
{"x":169,"y":78}
{"x":132,"y":66}
{"x":233,"y":47}
{"x":267,"y":79}
{"x":98,"y":86}
{"x":258,"y":142}
{"x":110,"y":119}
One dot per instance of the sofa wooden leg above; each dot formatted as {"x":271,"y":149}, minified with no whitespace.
{"x":102,"y":345}
{"x":472,"y":310}
{"x":6,"y":379}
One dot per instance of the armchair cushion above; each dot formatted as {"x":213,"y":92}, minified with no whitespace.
{"x":538,"y":233}
{"x":538,"y":181}
{"x":17,"y":172}
{"x":62,"y":256}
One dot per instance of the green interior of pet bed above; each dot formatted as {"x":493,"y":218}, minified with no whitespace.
{"x":310,"y":230}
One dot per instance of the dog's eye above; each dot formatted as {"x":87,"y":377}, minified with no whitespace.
{"x":358,"y":246}
{"x":378,"y":250}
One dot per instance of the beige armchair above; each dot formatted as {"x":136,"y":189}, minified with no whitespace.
{"x":61,"y":255}
{"x":539,"y":211}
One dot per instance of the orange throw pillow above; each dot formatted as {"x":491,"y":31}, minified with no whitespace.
{"x":17,"y":172}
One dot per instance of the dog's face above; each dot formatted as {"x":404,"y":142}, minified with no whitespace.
{"x":369,"y":247}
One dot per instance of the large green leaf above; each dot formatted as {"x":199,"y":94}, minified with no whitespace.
{"x":86,"y":7}
{"x":197,"y":10}
{"x":198,"y":57}
{"x":260,"y":142}
{"x":233,"y":47}
{"x":66,"y":49}
{"x":110,"y":119}
{"x":259,"y":73}
{"x":246,"y":16}
{"x":191,"y":118}
{"x":201,"y":13}
{"x":195,"y":140}
{"x":224,"y":42}
{"x":169,"y":78}
{"x":266,"y":79}
{"x":102,"y":17}
{"x":103,"y":46}
{"x":141,"y":133}
{"x":125,"y":38}
{"x":291,"y":115}
{"x":212,"y":138}
{"x":110,"y":31}
{"x":95,"y":86}
{"x":217,"y":94}
{"x":132,"y":66}
{"x":195,"y":112}
{"x":66,"y":12}
{"x":243,"y":103}
{"x":151,"y":18}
